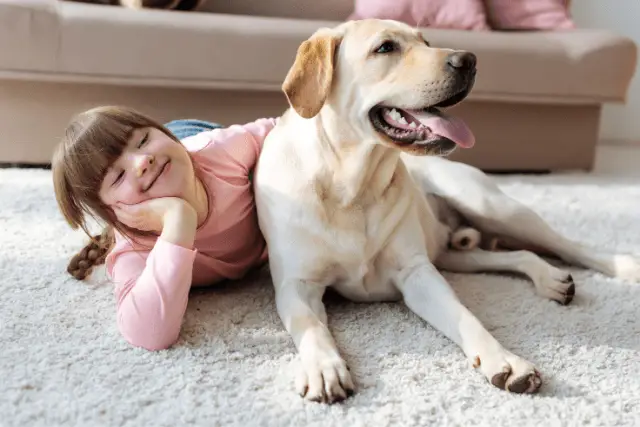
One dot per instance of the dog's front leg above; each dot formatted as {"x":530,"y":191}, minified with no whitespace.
{"x":428,"y":295}
{"x":324,"y":376}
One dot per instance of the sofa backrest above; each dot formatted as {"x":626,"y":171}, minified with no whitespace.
{"x":328,"y":10}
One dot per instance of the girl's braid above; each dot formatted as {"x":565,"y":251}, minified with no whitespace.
{"x":93,"y":254}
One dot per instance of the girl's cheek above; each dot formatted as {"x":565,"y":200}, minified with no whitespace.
{"x":126,"y":193}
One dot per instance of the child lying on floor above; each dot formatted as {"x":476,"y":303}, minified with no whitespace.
{"x":178,"y":205}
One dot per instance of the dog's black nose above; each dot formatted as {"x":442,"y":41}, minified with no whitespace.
{"x":462,"y":61}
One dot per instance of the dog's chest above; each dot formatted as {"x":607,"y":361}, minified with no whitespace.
{"x":365,"y":282}
{"x":354,"y":248}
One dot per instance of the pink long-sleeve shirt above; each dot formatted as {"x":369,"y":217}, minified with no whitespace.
{"x":152,"y":285}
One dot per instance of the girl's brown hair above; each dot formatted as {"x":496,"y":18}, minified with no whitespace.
{"x":92,"y":142}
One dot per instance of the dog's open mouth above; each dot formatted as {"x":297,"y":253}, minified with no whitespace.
{"x":422,"y":126}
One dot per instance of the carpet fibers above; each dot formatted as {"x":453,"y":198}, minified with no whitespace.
{"x":63,"y":363}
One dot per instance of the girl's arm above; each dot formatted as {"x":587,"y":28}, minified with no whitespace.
{"x":234,"y":147}
{"x":152,"y":287}
{"x":256,"y":132}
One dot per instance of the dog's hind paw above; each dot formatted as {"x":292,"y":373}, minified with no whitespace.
{"x":465,"y":239}
{"x":325,"y":381}
{"x":627,"y":267}
{"x":557,"y":285}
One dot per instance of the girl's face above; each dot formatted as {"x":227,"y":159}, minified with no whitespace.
{"x":153,"y":165}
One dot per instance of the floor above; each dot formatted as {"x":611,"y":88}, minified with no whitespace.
{"x":618,"y":160}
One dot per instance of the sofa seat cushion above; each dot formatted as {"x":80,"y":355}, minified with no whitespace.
{"x":198,"y":49}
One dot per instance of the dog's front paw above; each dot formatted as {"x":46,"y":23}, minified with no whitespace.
{"x":324,"y":379}
{"x":627,"y":267}
{"x":510,"y":372}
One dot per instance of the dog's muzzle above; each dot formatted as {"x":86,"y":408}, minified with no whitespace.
{"x":427,"y":124}
{"x":461,"y":66}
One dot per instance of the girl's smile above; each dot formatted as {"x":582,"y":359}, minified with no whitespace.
{"x":161,"y":172}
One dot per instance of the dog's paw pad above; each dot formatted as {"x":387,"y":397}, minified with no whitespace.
{"x":524,"y":384}
{"x":527,"y":384}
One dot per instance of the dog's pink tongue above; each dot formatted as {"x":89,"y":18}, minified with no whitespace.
{"x":448,"y":126}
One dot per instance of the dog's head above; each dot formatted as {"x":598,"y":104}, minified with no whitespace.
{"x":386,"y":83}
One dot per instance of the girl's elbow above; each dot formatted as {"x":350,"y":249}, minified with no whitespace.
{"x":151,"y":344}
{"x":138,"y":334}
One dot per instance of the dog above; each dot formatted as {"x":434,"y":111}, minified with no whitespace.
{"x":354,"y":192}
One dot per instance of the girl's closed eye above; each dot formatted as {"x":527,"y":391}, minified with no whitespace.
{"x":144,"y":140}
{"x":118,"y":178}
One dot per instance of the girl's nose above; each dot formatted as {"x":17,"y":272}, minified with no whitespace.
{"x":142,"y":163}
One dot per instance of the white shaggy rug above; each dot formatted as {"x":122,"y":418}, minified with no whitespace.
{"x":63,"y":363}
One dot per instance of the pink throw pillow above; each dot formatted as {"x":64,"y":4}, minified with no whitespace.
{"x":529,"y":14}
{"x":452,"y":14}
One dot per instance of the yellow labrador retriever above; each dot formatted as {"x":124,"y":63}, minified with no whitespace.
{"x":353,"y":193}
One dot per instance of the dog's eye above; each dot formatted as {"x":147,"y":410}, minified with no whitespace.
{"x":386,"y":47}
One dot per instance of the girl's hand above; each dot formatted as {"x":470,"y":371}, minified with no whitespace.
{"x":152,"y":215}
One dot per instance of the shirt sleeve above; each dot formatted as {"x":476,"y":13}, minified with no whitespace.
{"x":152,"y":290}
{"x":254,"y":135}
{"x":241,"y":144}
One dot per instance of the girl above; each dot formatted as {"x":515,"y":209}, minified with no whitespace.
{"x":178,"y":212}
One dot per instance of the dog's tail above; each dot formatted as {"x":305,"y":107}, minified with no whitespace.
{"x":93,"y":254}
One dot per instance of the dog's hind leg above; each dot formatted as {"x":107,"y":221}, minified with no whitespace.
{"x":324,"y":376}
{"x":518,"y":227}
{"x":549,"y":281}
{"x":475,"y":196}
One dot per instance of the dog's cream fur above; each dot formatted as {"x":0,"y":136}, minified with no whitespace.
{"x":342,"y":206}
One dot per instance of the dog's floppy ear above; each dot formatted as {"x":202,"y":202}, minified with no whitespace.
{"x":308,"y":82}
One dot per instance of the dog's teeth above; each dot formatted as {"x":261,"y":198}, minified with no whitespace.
{"x":412,"y":125}
{"x":397,"y":116}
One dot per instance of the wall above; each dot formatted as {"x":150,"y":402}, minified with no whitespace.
{"x":621,"y":123}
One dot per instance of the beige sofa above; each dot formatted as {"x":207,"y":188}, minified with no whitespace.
{"x":536,"y":104}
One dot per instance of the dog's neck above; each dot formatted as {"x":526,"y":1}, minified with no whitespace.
{"x":356,"y":172}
